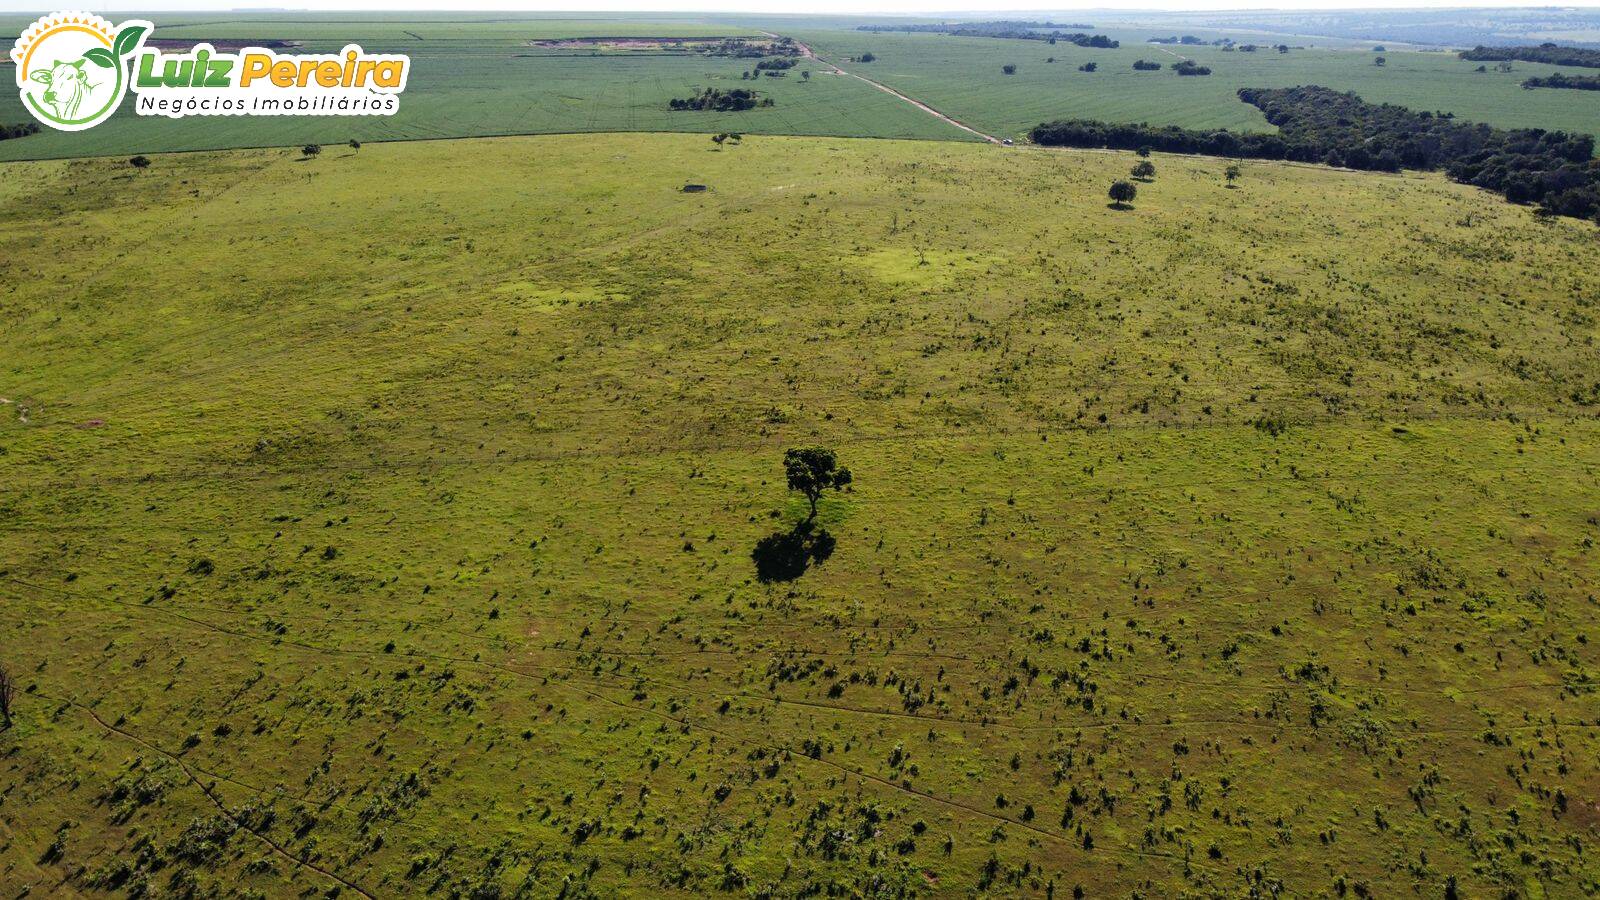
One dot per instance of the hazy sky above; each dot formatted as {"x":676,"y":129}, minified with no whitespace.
{"x":813,"y":7}
{"x":850,"y":7}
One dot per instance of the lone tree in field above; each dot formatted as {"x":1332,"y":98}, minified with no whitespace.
{"x":1145,"y":169}
{"x":1380,"y":61}
{"x":1122,"y":194}
{"x":140,"y":162}
{"x":8,"y":693}
{"x":355,"y":144}
{"x":812,"y":470}
{"x":1231,"y":173}
{"x":806,"y":75}
{"x":310,"y":150}
{"x":1009,"y":69}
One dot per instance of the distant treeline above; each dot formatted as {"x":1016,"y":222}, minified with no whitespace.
{"x":996,"y":25}
{"x":1011,"y":29}
{"x":7,"y":132}
{"x":714,"y":100}
{"x":1554,"y":54}
{"x":740,"y":49}
{"x":1572,"y":82}
{"x":1317,"y":124}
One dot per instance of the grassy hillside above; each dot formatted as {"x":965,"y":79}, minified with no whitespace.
{"x":389,"y":541}
{"x":961,"y":76}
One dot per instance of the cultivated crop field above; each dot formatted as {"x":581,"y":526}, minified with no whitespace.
{"x":962,"y":76}
{"x":481,"y":77}
{"x":477,"y":74}
{"x":381,"y":542}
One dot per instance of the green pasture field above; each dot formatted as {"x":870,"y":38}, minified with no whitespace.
{"x":381,"y":524}
{"x":962,"y":77}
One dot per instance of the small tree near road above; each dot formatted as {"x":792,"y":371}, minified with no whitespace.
{"x":812,"y":470}
{"x":1122,"y":194}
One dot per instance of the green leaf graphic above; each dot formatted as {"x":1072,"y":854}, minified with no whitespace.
{"x":127,"y":39}
{"x":100,"y":56}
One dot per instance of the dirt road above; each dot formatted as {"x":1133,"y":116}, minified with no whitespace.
{"x":808,"y":53}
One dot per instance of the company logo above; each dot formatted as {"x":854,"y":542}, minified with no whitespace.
{"x":73,"y":69}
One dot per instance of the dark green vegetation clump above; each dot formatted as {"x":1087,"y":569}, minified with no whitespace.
{"x":20,"y":130}
{"x":718,"y":100}
{"x":1568,"y":82}
{"x":1551,"y":168}
{"x":399,"y":542}
{"x":1552,"y":54}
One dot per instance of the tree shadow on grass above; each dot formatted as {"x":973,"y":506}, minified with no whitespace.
{"x":785,"y":555}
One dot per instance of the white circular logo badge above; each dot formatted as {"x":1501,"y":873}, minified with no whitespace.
{"x":72,"y":68}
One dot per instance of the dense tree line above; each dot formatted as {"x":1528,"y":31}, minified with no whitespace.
{"x":1010,"y":29}
{"x":715,"y":100}
{"x":1189,"y":67}
{"x":1554,"y":54}
{"x":23,"y":129}
{"x":777,"y":64}
{"x":1572,"y":82}
{"x":1316,"y":124}
{"x":1140,"y":65}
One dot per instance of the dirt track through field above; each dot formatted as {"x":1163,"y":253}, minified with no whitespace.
{"x":808,"y":53}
